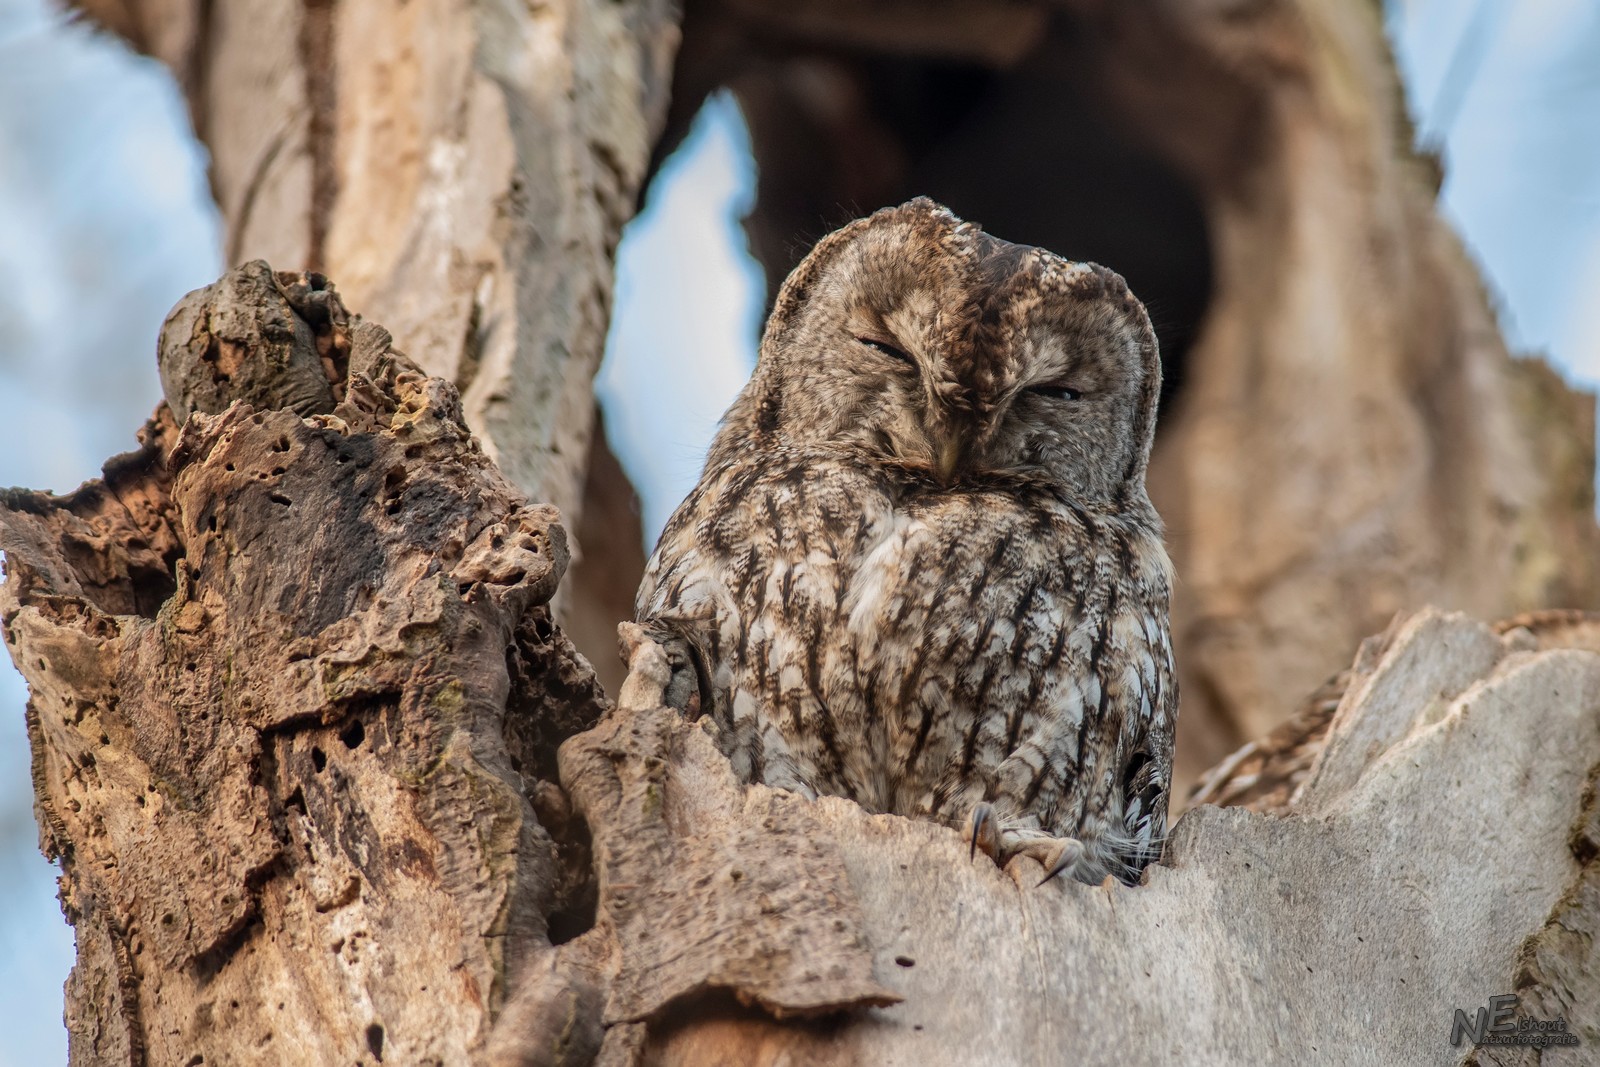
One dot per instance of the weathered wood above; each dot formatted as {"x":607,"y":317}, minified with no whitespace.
{"x":301,"y":767}
{"x":296,"y":707}
{"x":464,"y":168}
{"x":705,"y":885}
{"x":605,"y":575}
{"x":293,"y":688}
{"x":1347,"y":437}
{"x":241,"y":340}
{"x":1345,"y":931}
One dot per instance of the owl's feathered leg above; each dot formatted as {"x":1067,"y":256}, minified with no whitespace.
{"x":986,"y":830}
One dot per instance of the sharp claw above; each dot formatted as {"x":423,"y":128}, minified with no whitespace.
{"x":1067,"y":852}
{"x":982,"y":818}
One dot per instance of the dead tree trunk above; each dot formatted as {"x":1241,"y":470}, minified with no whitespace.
{"x":326,"y":783}
{"x":298,"y":696}
{"x":295,"y":696}
{"x":1344,"y":435}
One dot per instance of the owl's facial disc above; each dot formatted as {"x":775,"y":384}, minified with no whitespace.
{"x":914,"y":339}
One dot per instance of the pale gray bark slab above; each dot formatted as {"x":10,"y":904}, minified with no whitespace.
{"x":1346,"y":934}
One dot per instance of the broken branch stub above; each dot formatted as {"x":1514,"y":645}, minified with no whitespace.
{"x":270,"y":340}
{"x":705,"y":884}
{"x":271,"y":659}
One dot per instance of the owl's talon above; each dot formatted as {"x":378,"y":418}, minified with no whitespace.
{"x":983,"y":829}
{"x":1061,"y":855}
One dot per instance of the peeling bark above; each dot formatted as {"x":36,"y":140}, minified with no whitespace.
{"x":294,"y":686}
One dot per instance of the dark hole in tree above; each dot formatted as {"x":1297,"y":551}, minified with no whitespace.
{"x":353,"y":734}
{"x":375,"y":1041}
{"x":1035,"y":152}
{"x":319,"y":759}
{"x":577,"y":899}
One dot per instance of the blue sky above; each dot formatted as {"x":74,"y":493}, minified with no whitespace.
{"x":1511,"y":90}
{"x":687,"y":312}
{"x":105,"y":223}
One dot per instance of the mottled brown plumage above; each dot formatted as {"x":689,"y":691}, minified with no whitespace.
{"x":920,"y":569}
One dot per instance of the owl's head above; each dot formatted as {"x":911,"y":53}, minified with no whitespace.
{"x":913,"y":338}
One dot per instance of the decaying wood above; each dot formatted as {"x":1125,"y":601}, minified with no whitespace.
{"x":1346,"y":930}
{"x":327,"y":784}
{"x":604,"y":577}
{"x":705,"y":885}
{"x":464,"y":168}
{"x":291,"y":677}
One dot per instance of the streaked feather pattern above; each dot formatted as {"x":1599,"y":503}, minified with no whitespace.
{"x":919,"y":633}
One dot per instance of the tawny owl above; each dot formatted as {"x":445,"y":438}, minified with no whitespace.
{"x":920,"y":569}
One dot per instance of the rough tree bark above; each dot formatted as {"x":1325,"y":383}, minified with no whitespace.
{"x":290,"y":675}
{"x":328,"y":782}
{"x":463,"y":168}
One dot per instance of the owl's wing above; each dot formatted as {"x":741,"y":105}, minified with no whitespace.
{"x":690,"y":589}
{"x":1151,"y":720}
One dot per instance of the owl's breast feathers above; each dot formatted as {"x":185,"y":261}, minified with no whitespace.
{"x":918,"y":649}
